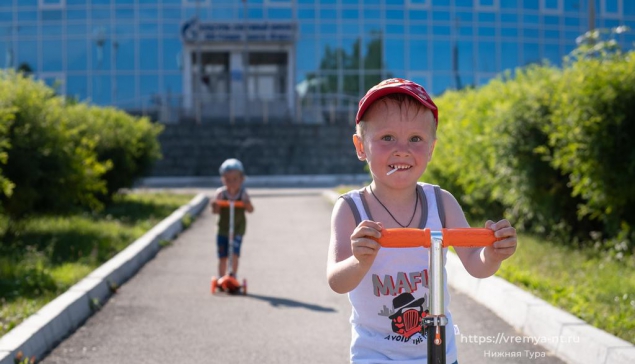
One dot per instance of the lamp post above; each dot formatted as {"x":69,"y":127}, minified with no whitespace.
{"x":246,"y":61}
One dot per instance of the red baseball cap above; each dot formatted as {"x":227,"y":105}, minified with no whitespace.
{"x":393,"y":86}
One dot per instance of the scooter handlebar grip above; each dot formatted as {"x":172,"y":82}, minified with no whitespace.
{"x":225,"y":203}
{"x":468,"y":237}
{"x":404,"y":238}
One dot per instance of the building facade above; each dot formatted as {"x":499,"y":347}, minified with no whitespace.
{"x":283,"y":60}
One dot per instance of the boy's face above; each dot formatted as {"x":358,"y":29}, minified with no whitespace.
{"x":233,"y":180}
{"x":396,"y":136}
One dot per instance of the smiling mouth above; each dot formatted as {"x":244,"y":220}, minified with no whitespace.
{"x":397,"y":167}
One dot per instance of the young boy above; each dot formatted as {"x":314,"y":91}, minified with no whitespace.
{"x":396,"y":135}
{"x":232,"y":176}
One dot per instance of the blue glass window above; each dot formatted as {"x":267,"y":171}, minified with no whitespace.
{"x":372,"y":14}
{"x":464,"y":3}
{"x":76,"y":2}
{"x":27,"y":15}
{"x":124,"y":29}
{"x":6,"y":16}
{"x":509,"y":32}
{"x":531,"y":19}
{"x":551,"y":52}
{"x":464,"y":17}
{"x":395,"y":54}
{"x":418,"y":15}
{"x":170,"y":13}
{"x":101,"y":94}
{"x":306,"y":55}
{"x":76,"y":14}
{"x":149,"y":54}
{"x":487,"y":17}
{"x":172,"y":51}
{"x":27,"y":30}
{"x":125,"y":56}
{"x":351,"y":2}
{"x":51,"y":15}
{"x":52,"y":55}
{"x":531,"y":33}
{"x":51,"y":30}
{"x":126,"y":87}
{"x":509,"y":18}
{"x":441,"y":56}
{"x":394,"y":14}
{"x":466,"y":30}
{"x":76,"y":30}
{"x":328,"y":28}
{"x":611,"y":6}
{"x":530,"y":4}
{"x":418,"y":29}
{"x":148,"y":87}
{"x":440,"y":2}
{"x":27,"y":54}
{"x":552,"y":34}
{"x":486,"y":2}
{"x":173,"y":84}
{"x":552,"y":20}
{"x":307,"y":28}
{"x":509,"y":55}
{"x":465,"y":53}
{"x":441,"y":30}
{"x":101,"y":52}
{"x":570,"y":21}
{"x":629,"y":7}
{"x":418,"y":55}
{"x":441,"y":82}
{"x":100,"y":2}
{"x":122,"y":14}
{"x":441,"y":16}
{"x":25,"y":3}
{"x":508,"y":4}
{"x":487,"y":57}
{"x":551,"y":4}
{"x":350,"y":28}
{"x":394,"y":2}
{"x":100,"y":13}
{"x":328,"y":14}
{"x":306,"y":13}
{"x":76,"y":55}
{"x":151,"y":13}
{"x":531,"y":53}
{"x":395,"y":29}
{"x":279,"y":13}
{"x":77,"y":87}
{"x":486,"y":31}
{"x":148,"y":28}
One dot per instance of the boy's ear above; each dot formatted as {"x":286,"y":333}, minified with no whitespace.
{"x":359,"y":147}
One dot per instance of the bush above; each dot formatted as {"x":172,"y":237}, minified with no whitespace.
{"x":52,"y":167}
{"x":129,"y":144}
{"x":548,"y":147}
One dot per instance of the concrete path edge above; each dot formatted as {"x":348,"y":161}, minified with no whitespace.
{"x":566,"y":336}
{"x":45,"y":329}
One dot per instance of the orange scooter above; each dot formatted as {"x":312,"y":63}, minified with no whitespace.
{"x":228,"y":283}
{"x":434,"y":324}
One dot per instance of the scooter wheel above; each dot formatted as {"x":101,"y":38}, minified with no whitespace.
{"x":214,"y":285}
{"x":244,"y":287}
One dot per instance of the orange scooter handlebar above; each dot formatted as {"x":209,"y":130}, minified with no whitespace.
{"x":225,"y":203}
{"x":460,"y":237}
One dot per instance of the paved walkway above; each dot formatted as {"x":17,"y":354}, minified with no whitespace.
{"x":165,"y":314}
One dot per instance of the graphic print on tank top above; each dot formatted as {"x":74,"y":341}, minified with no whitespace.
{"x":407,"y":312}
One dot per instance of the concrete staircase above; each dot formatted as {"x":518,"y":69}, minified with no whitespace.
{"x":264,"y":149}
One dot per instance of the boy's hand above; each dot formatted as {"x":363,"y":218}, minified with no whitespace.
{"x":214,"y":206}
{"x":363,"y":247}
{"x":504,"y":248}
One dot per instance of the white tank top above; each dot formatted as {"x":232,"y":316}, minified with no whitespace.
{"x":391,"y":300}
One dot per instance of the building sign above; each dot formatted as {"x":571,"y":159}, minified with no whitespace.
{"x":194,"y":30}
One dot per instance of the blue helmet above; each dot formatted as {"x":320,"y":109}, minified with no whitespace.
{"x":231,"y":164}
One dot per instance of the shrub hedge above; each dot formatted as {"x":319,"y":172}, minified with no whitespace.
{"x":57,"y":156}
{"x":548,"y":148}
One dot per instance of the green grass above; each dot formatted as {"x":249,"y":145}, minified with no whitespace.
{"x":45,"y":255}
{"x":590,"y":286}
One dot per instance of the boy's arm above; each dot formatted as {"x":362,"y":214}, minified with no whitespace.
{"x":247,"y":201}
{"x":218,"y":196}
{"x":351,"y":251}
{"x":480,"y":262}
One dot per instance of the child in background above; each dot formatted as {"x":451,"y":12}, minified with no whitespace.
{"x":388,"y":289}
{"x":232,"y":176}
